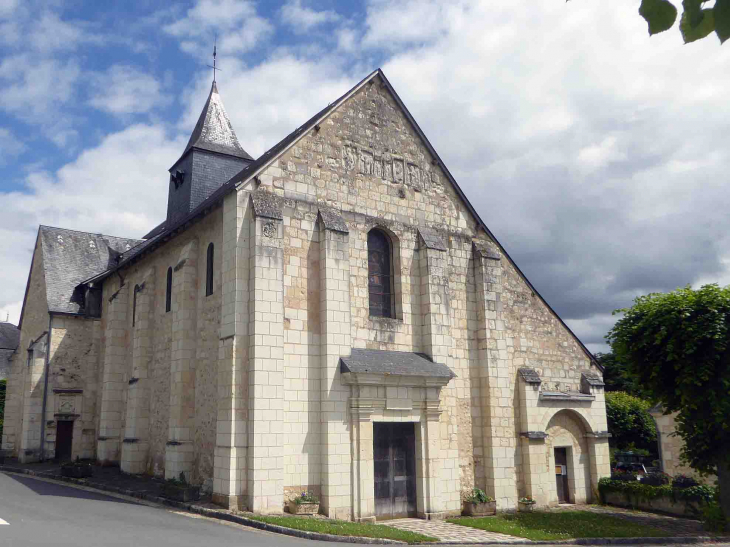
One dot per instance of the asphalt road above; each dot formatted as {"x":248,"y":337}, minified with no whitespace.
{"x":40,"y":513}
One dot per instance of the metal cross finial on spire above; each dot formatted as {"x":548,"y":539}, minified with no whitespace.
{"x":215,"y":47}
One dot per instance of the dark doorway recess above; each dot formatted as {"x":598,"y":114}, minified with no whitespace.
{"x":64,"y":440}
{"x":394,"y":447}
{"x":561,"y":474}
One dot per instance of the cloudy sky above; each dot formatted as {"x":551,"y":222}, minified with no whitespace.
{"x":595,"y":154}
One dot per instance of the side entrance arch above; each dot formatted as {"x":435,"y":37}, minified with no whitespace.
{"x":564,"y":440}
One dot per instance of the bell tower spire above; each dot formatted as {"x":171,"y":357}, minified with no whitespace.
{"x":212,"y":156}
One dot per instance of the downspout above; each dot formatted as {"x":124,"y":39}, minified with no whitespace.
{"x":45,"y":389}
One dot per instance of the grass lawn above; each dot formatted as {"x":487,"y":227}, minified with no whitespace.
{"x":543,"y":526}
{"x":343,"y":528}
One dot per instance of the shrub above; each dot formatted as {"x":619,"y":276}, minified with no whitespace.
{"x":636,"y":491}
{"x":624,"y":476}
{"x":700,"y":492}
{"x":713,"y":519}
{"x":684,"y":481}
{"x":655,"y":479}
{"x":478,"y":496}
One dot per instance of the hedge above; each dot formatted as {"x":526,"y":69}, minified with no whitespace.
{"x":634,"y":491}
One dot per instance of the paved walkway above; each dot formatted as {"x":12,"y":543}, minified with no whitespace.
{"x":450,"y":533}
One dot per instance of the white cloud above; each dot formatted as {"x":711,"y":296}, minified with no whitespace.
{"x":595,"y":153}
{"x":303,"y":19}
{"x":238,"y":26}
{"x":51,"y":33}
{"x":31,"y":87}
{"x":124,"y":89}
{"x":117,"y":188}
{"x":393,"y":24}
{"x":7,"y":7}
{"x":10,"y":146}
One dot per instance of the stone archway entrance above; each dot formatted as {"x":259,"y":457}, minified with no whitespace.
{"x":394,"y":455}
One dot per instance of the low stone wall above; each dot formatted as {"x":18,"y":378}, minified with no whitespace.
{"x":679,"y":508}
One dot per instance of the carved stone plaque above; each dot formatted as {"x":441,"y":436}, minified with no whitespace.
{"x":269,"y":230}
{"x":66,"y":405}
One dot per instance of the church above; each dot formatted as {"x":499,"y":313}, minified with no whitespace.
{"x":332,"y":316}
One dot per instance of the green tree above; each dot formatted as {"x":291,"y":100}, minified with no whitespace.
{"x":629,"y":422}
{"x":677,"y":347}
{"x":697,"y":20}
{"x":614,"y":375}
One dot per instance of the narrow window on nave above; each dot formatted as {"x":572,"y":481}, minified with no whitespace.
{"x":168,"y":293}
{"x":209,"y":272}
{"x":380,"y":274}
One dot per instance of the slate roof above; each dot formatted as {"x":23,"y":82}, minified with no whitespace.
{"x":214,"y":131}
{"x":9,"y":340}
{"x":9,"y":336}
{"x":157,"y":230}
{"x":394,"y":363}
{"x":70,"y":257}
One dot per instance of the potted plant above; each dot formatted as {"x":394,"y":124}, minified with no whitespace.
{"x":180,"y":490}
{"x":478,"y":504}
{"x":304,"y":504}
{"x":527,"y":504}
{"x":77,"y":469}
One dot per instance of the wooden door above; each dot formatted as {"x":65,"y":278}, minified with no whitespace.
{"x":64,"y":440}
{"x":561,"y":474}
{"x":394,"y":447}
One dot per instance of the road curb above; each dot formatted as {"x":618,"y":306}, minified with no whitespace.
{"x":211,"y":513}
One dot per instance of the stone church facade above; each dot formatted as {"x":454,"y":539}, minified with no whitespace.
{"x":333,"y":317}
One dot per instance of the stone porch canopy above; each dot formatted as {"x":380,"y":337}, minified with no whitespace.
{"x":370,"y":364}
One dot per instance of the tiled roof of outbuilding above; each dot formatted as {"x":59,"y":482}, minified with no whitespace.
{"x":70,"y":257}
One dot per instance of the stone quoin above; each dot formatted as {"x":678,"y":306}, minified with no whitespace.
{"x":332,"y":317}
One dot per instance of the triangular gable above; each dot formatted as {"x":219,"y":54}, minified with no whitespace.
{"x":37,"y":250}
{"x":263,"y":162}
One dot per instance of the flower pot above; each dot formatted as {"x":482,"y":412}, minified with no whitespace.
{"x":180,"y":493}
{"x":303,"y":508}
{"x":526,"y":507}
{"x":77,"y":471}
{"x":480,"y":509}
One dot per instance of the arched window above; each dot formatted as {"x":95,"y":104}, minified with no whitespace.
{"x":168,"y":293}
{"x":380,"y":274}
{"x":209,"y":272}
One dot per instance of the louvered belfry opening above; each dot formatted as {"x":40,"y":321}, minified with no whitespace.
{"x":380,"y":274}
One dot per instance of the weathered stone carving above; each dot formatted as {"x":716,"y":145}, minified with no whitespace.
{"x":378,"y":168}
{"x":387,"y":170}
{"x":398,"y":171}
{"x":366,"y":163}
{"x":269,"y":229}
{"x":414,"y":177}
{"x":349,"y":157}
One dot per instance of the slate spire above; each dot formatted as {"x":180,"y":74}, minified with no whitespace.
{"x":214,"y":131}
{"x":212,"y":156}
